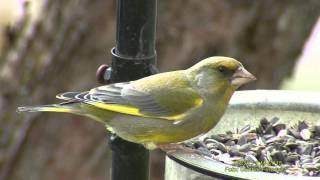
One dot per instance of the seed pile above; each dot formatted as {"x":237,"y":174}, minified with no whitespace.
{"x":272,"y":147}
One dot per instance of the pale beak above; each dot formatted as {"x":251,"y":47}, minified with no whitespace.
{"x":241,"y":77}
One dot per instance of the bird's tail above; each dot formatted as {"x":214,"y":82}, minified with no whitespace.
{"x":67,"y":107}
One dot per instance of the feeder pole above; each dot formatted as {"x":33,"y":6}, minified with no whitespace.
{"x":133,"y":57}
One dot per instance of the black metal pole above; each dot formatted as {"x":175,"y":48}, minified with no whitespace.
{"x":133,"y":57}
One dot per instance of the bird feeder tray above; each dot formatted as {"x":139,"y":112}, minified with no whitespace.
{"x":247,"y":108}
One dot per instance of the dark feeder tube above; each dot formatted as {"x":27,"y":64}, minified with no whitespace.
{"x":133,"y":57}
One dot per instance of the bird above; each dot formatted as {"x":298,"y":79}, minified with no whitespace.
{"x":161,"y":110}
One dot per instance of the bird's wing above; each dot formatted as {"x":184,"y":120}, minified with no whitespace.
{"x":131,"y":98}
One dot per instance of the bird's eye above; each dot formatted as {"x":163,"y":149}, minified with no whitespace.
{"x":222,"y":69}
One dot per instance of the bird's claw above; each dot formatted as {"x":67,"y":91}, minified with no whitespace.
{"x":184,"y":148}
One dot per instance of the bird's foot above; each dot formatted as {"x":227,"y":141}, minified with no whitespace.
{"x":183,"y":148}
{"x":171,"y":148}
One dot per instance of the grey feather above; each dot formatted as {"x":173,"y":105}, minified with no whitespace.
{"x":122,"y":94}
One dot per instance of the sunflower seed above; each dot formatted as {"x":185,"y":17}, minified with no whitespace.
{"x":242,"y":140}
{"x":278,"y":156}
{"x":305,"y":134}
{"x":292,"y":158}
{"x":316,"y":130}
{"x":250,"y":157}
{"x":305,"y":149}
{"x":302,"y":125}
{"x":278,"y":127}
{"x":295,"y":149}
{"x":292,"y":145}
{"x":294,"y":133}
{"x":244,"y":148}
{"x":245,"y":129}
{"x":274,"y":121}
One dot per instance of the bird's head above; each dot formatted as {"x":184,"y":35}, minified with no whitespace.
{"x":220,"y":72}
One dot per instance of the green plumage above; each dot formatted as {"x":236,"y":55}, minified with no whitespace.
{"x":160,"y":109}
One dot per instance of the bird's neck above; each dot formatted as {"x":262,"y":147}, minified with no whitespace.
{"x":219,"y":96}
{"x":215,"y":105}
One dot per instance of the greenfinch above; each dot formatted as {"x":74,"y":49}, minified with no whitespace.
{"x":161,"y":109}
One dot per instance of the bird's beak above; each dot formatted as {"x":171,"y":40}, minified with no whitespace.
{"x":241,"y":77}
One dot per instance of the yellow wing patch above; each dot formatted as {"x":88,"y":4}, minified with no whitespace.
{"x":56,"y":109}
{"x":130,"y":110}
{"x":118,"y":108}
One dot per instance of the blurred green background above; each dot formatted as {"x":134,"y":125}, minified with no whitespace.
{"x":51,"y":46}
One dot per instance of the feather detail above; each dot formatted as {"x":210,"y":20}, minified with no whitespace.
{"x":137,"y":99}
{"x":66,"y":107}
